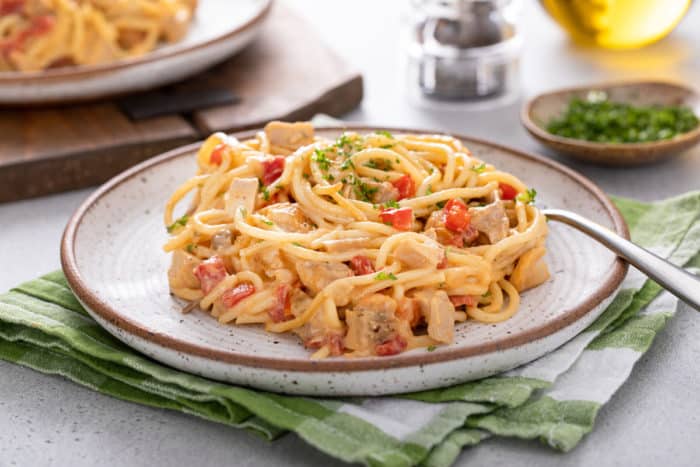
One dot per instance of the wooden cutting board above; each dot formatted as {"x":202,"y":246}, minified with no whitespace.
{"x":287,"y":73}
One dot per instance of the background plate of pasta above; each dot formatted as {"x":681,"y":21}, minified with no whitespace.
{"x":67,"y":50}
{"x":342,"y":261}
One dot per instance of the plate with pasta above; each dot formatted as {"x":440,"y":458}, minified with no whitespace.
{"x":342,"y":261}
{"x":70,"y":50}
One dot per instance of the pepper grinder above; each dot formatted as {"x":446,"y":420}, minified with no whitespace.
{"x":464,"y":50}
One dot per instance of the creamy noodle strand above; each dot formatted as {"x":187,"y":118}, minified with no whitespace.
{"x":40,"y":34}
{"x":364,"y":245}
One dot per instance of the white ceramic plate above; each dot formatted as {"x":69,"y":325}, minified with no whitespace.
{"x":220,"y":29}
{"x":113,"y":258}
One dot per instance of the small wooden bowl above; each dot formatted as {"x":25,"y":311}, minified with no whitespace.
{"x":541,"y":109}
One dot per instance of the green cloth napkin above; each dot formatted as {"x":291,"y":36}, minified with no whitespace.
{"x":554,"y":399}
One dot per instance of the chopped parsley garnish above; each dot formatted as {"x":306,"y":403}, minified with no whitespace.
{"x":479,"y":168}
{"x":429,"y":191}
{"x":596,"y":118}
{"x":386,"y":146}
{"x":266,"y":193}
{"x":430,"y":348}
{"x":528,"y":196}
{"x":372,"y":164}
{"x":191,"y":247}
{"x":265,"y":221}
{"x":297,"y":244}
{"x":385,"y":133}
{"x":305,"y":175}
{"x":486,"y":294}
{"x":320,"y":158}
{"x":441,"y":204}
{"x":329,"y":177}
{"x":347,"y":164}
{"x":392,"y":204}
{"x":385,"y":276}
{"x":364,"y":191}
{"x":181,"y":222}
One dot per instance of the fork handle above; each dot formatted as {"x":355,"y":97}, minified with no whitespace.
{"x":676,"y":280}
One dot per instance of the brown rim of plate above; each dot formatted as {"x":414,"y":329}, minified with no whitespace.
{"x":82,"y":71}
{"x":106,"y":312}
{"x":541,"y":133}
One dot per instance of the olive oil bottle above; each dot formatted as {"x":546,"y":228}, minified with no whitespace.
{"x":617,"y":24}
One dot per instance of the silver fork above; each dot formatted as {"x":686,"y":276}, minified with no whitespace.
{"x":679,"y":282}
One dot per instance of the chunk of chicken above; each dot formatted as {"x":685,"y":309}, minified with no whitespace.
{"x":372,"y":322}
{"x":530,"y":271}
{"x":241,"y":194}
{"x":491,"y":220}
{"x":438,"y":311}
{"x":418,"y":255}
{"x":181,"y":272}
{"x":345,"y":244}
{"x":316,"y":275}
{"x":288,"y":217}
{"x":289,"y":136}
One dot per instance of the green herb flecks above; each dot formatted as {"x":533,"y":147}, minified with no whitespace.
{"x":528,"y":196}
{"x":385,"y":276}
{"x":479,"y":168}
{"x":431,"y":348}
{"x":385,"y":134}
{"x":319,"y":156}
{"x":600,"y":120}
{"x":181,"y":222}
{"x":391,"y":204}
{"x":191,"y":247}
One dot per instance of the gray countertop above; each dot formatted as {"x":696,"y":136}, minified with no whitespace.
{"x":652,"y":420}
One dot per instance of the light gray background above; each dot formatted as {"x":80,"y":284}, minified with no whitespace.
{"x":654,"y":418}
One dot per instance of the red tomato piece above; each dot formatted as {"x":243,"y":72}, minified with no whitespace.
{"x":240,"y":291}
{"x":272,"y":169}
{"x":361,"y":265}
{"x":395,"y":345}
{"x":400,"y":219}
{"x":457,"y":215}
{"x":210,"y":273}
{"x":333,"y":340}
{"x":406,"y":187}
{"x":507,"y":191}
{"x":459,"y":300}
{"x":217,"y":155}
{"x":11,"y":6}
{"x":281,"y":309}
{"x":40,"y":25}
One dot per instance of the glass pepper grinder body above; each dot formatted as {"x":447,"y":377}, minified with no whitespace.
{"x":464,"y":50}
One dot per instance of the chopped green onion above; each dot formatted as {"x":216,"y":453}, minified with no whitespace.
{"x":181,"y":222}
{"x":385,"y":276}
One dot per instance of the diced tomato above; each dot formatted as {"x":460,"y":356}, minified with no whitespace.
{"x":507,"y":191}
{"x":395,"y":345}
{"x":457,"y":215}
{"x":333,"y":340}
{"x":400,"y":219}
{"x":11,"y":6}
{"x":237,"y":293}
{"x":282,"y":308}
{"x":406,"y":187}
{"x":361,"y":265}
{"x":460,"y":239}
{"x":40,"y":25}
{"x":210,"y":273}
{"x":459,"y":300}
{"x":272,"y":169}
{"x":217,"y":155}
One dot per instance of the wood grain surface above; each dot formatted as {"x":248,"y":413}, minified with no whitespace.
{"x":287,"y":73}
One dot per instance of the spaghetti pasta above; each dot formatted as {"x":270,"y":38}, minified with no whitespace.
{"x":367,"y":245}
{"x":40,"y":34}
